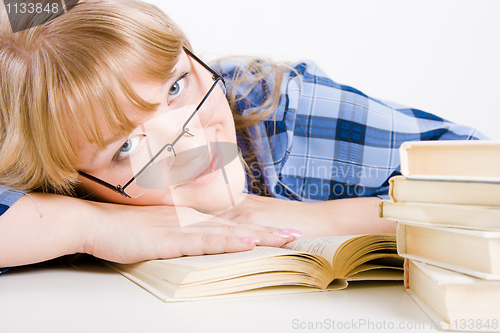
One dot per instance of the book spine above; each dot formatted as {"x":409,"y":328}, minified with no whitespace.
{"x":401,"y":239}
{"x":403,"y":155}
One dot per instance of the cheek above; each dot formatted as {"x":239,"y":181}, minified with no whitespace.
{"x":217,"y":196}
{"x":101,"y":193}
{"x":98,"y":192}
{"x":226,"y":119}
{"x":211,"y":198}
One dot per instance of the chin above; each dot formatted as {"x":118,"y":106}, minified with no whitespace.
{"x":215,"y":196}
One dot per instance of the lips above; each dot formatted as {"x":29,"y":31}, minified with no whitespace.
{"x":213,"y":165}
{"x":193,"y":168}
{"x":208,"y":161}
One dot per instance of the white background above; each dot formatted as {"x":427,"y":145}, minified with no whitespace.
{"x":441,"y":56}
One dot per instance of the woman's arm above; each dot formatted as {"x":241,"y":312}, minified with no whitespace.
{"x":334,"y":217}
{"x":118,"y":233}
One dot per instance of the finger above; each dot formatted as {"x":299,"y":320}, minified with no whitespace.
{"x":270,"y":236}
{"x":219,"y":223}
{"x":275,"y":238}
{"x":222,"y":221}
{"x":253,"y":226}
{"x":202,"y":243}
{"x":249,"y":225}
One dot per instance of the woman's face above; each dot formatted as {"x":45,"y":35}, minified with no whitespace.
{"x":205,"y":173}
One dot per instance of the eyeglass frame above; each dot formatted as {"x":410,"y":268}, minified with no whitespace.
{"x":185,"y":130}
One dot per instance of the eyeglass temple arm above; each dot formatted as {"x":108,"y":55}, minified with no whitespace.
{"x":117,"y":189}
{"x":214,"y":73}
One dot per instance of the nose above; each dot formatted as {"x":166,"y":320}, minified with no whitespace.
{"x":171,"y":128}
{"x":193,"y":136}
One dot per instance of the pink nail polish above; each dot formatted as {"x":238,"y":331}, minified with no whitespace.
{"x":293,"y":232}
{"x":252,"y":240}
{"x":281,"y":234}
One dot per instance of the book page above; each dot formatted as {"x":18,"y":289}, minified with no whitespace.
{"x":323,"y":246}
{"x":224,"y":259}
{"x":377,"y":275}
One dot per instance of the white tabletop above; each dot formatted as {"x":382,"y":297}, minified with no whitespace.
{"x":96,"y":299}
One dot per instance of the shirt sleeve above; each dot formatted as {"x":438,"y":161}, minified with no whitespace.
{"x":329,"y":141}
{"x":8,"y":197}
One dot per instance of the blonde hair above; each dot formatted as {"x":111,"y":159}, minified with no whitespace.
{"x":55,"y":81}
{"x":56,"y":76}
{"x":266,"y":76}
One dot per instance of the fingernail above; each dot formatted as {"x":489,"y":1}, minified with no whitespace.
{"x":252,"y":240}
{"x":293,"y":232}
{"x":281,"y":234}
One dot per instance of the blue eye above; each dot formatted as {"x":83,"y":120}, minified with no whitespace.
{"x":176,"y":89}
{"x":129,"y":147}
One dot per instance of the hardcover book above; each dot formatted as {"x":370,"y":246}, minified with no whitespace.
{"x":402,"y":189}
{"x":459,"y":160}
{"x":472,"y":252}
{"x":462,"y":216}
{"x":452,"y":300}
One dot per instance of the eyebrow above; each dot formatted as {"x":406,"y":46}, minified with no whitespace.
{"x":111,"y":140}
{"x":95,"y":153}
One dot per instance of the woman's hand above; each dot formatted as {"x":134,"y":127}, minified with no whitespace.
{"x":128,"y":234}
{"x":335,"y":217}
{"x":280,"y":213}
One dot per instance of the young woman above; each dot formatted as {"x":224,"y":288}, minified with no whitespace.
{"x":108,"y":102}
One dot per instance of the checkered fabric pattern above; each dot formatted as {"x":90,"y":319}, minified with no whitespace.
{"x":329,"y":141}
{"x":8,"y":197}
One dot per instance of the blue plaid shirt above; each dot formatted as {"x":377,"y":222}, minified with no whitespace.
{"x":329,"y":141}
{"x":325,"y":140}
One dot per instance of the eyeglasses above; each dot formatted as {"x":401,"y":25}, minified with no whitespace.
{"x":156,"y":148}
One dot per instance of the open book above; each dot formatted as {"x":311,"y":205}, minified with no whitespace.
{"x":316,"y":263}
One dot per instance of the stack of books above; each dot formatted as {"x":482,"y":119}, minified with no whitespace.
{"x":447,"y":204}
